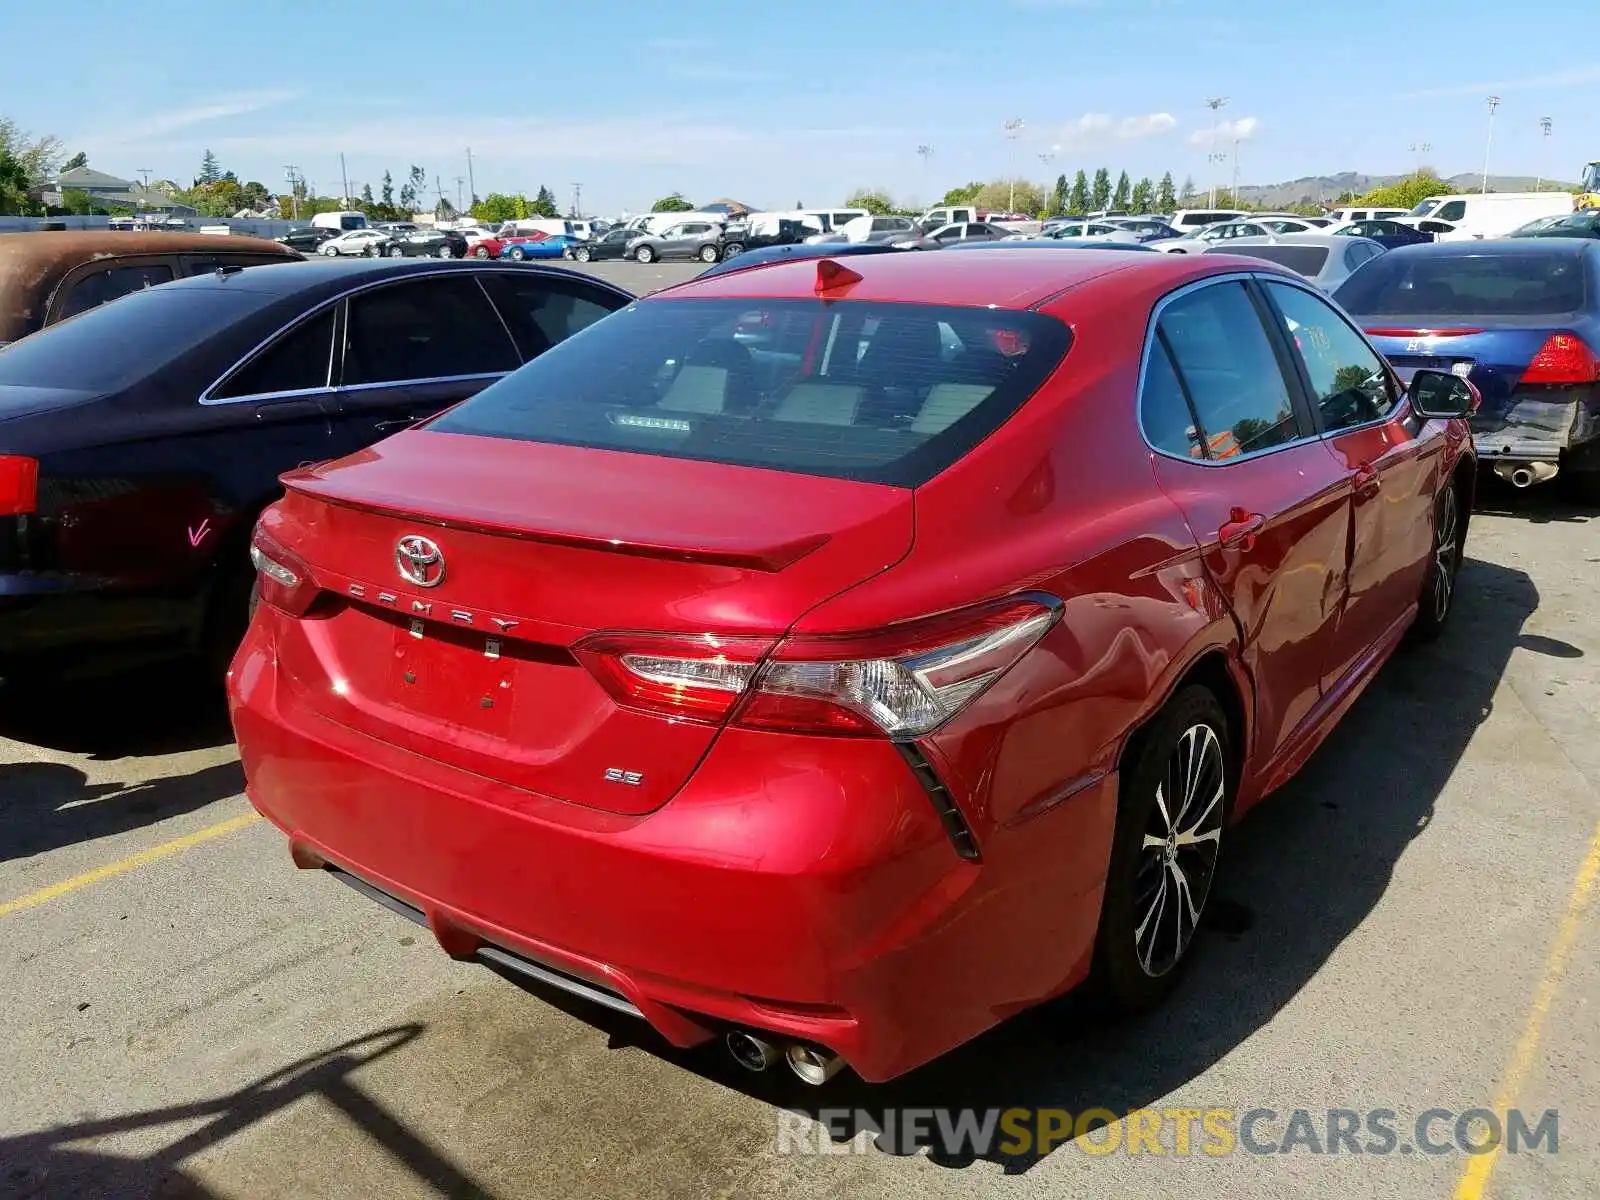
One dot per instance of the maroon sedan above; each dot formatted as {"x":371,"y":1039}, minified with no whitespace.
{"x":831,"y":659}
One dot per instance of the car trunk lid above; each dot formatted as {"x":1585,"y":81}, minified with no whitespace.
{"x":540,"y":547}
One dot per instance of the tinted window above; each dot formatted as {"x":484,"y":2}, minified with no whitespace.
{"x":115,"y":344}
{"x":295,"y":362}
{"x":541,"y":312}
{"x":1164,"y":410}
{"x":1227,"y":366}
{"x":1306,"y":260}
{"x":888,"y":393}
{"x":1348,"y":379}
{"x":1358,"y":254}
{"x":949,"y":233}
{"x":1453,"y":211}
{"x":1466,"y":284}
{"x":97,"y":288}
{"x":429,"y":329}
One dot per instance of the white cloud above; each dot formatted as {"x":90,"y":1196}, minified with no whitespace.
{"x":1241,"y":130}
{"x":1096,"y":128}
{"x":161,"y":124}
{"x":1553,"y":79}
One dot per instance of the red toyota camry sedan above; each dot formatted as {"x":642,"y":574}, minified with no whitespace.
{"x":833,"y":658}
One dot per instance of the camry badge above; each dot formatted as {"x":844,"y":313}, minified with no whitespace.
{"x":420,"y":561}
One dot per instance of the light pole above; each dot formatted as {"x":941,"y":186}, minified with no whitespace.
{"x":1544,"y":128}
{"x":1493,"y":102}
{"x":1234,"y":198}
{"x":1212,"y":159}
{"x":1013,"y":130}
{"x":1419,"y":149}
{"x":1215,"y":104}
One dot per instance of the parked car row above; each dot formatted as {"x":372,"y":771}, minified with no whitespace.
{"x":789,"y":594}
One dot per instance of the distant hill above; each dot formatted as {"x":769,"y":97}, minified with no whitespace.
{"x":1325,"y":189}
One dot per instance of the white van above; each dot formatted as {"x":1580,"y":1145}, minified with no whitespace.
{"x":1474,"y":215}
{"x":833,"y":220}
{"x":1343,"y":216}
{"x":1186,"y":219}
{"x":343,"y":221}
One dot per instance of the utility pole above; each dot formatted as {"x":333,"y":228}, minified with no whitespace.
{"x":1214,"y":159}
{"x":472,"y":186}
{"x":460,"y":179}
{"x":1013,"y":130}
{"x":438,"y":189}
{"x":1215,"y":104}
{"x":293,"y":175}
{"x":344,"y":179}
{"x":577,"y":200}
{"x":1544,"y":128}
{"x":144,"y":173}
{"x":1493,"y":102}
{"x":1234,"y":199}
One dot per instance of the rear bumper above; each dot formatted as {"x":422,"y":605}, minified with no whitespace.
{"x":1536,"y":430}
{"x":801,"y":886}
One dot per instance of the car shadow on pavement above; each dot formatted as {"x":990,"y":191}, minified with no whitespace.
{"x":54,"y":1163}
{"x":1544,"y":505}
{"x":160,"y":710}
{"x":1304,"y":870}
{"x":45,"y":805}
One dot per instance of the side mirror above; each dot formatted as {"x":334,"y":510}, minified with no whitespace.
{"x":1441,"y":395}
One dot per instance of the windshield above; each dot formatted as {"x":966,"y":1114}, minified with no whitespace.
{"x":1467,"y":285}
{"x":110,"y":346}
{"x":876,"y":392}
{"x":1427,"y":206}
{"x":1591,"y":177}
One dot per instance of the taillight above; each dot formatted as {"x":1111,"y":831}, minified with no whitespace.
{"x":285,"y":581}
{"x":1564,"y":358}
{"x":19,"y":485}
{"x":903,"y":682}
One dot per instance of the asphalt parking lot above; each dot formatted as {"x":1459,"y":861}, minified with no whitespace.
{"x":1404,"y":927}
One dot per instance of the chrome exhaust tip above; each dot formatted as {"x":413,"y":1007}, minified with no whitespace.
{"x":750,"y":1052}
{"x":1523,"y":475}
{"x":812,"y":1065}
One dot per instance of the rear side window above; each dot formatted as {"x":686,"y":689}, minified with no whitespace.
{"x":1467,"y":284}
{"x":297,"y":361}
{"x":429,"y":329}
{"x":541,"y":312}
{"x":884,"y":393}
{"x":100,"y":287}
{"x":1228,"y":371}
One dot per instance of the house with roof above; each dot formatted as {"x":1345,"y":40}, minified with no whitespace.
{"x":108,"y":191}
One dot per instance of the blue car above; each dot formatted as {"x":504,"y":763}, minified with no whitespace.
{"x":557,"y":245}
{"x":1519,"y":318}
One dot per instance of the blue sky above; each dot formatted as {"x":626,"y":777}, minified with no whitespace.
{"x":642,"y":99}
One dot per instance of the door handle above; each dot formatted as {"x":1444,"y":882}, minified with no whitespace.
{"x":1240,"y":529}
{"x":1366,"y":480}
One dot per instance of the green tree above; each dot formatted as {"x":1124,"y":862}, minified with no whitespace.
{"x":1142,"y":197}
{"x":77,"y":202}
{"x":676,"y":202}
{"x":1078,"y":201}
{"x":1101,"y":196}
{"x":1120,"y":197}
{"x":1027,"y":196}
{"x":965,"y":194}
{"x":1187,"y":197}
{"x":210,"y":171}
{"x":875,"y":202}
{"x":13,"y":185}
{"x":411,"y":192}
{"x":80,"y":159}
{"x":544,"y":204}
{"x":497,"y":207}
{"x":1408,"y":193}
{"x":36,"y":156}
{"x":1058,"y":198}
{"x":368,"y":200}
{"x":256,"y":195}
{"x":1166,"y":198}
{"x":386,"y":196}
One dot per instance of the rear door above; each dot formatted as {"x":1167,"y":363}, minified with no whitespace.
{"x":1394,"y":463}
{"x":1267,"y":501}
{"x":410,"y":349}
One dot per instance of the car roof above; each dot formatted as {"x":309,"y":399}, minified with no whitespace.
{"x":304,"y":276}
{"x":1048,"y":242}
{"x":1301,"y":239}
{"x":1554,"y":247}
{"x":1022,"y":278}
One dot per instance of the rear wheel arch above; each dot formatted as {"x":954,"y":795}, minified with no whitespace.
{"x":1215,"y":670}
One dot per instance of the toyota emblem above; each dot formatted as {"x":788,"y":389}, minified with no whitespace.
{"x":420,"y":560}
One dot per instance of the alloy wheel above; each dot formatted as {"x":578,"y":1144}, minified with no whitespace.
{"x":1445,"y":552}
{"x":1178,"y":857}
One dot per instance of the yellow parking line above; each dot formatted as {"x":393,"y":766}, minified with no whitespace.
{"x":1476,"y":1177}
{"x":123,"y":865}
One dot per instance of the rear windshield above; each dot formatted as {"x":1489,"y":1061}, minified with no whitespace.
{"x":1307,"y":260}
{"x":1466,"y":284}
{"x":110,"y":346}
{"x":881,"y":393}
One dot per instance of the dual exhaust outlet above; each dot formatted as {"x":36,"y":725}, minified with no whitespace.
{"x":754,"y":1053}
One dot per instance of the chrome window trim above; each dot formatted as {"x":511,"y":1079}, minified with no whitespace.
{"x":1241,"y":277}
{"x":441,"y":269}
{"x":393,"y":383}
{"x":1402,"y":405}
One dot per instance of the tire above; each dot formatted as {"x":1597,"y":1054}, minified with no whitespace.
{"x":480,"y":252}
{"x":329,"y":252}
{"x":1437,"y":601}
{"x":396,"y":252}
{"x":233,"y":601}
{"x":446,"y":252}
{"x":518,"y":254}
{"x":708,"y":254}
{"x":645,"y":254}
{"x":582,"y":254}
{"x":1144,"y":941}
{"x":732,"y":250}
{"x":371,"y":252}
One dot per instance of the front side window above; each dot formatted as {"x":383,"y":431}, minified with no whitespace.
{"x":427,"y":329}
{"x":541,"y":312}
{"x":1349,"y":383}
{"x":878,"y":392}
{"x":297,"y":361}
{"x":1227,"y":368}
{"x":101,"y":287}
{"x":1453,"y":211}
